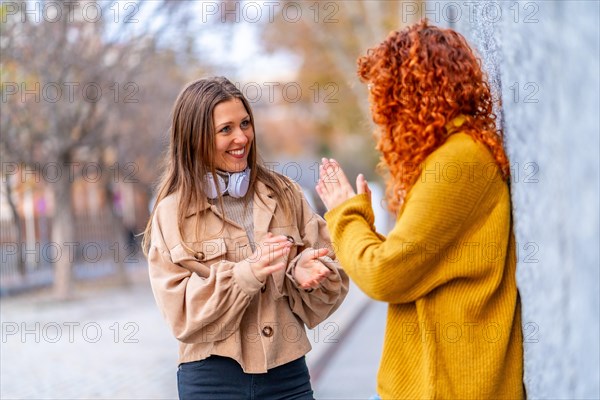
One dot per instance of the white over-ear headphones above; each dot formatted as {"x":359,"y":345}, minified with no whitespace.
{"x":236,"y":187}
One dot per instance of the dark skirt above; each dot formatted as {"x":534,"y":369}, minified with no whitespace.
{"x":218,"y":378}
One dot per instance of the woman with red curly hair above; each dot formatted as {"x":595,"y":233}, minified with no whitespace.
{"x":447,"y":268}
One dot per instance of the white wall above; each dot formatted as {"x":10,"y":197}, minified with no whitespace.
{"x":549,"y":51}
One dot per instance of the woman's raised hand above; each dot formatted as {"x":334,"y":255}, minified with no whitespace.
{"x":272,"y":248}
{"x":333,"y":187}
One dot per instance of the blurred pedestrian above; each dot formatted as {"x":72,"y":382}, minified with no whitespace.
{"x":239,"y":264}
{"x":447,"y":268}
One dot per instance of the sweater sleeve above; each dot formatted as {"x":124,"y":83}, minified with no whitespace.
{"x":201,"y":303}
{"x":405,"y":266}
{"x":314,"y":306}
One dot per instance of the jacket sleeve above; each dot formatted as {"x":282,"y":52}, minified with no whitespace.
{"x":314,"y":306}
{"x":201,"y":303}
{"x":439,"y":208}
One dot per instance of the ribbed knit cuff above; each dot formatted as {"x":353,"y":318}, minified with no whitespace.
{"x":359,"y":204}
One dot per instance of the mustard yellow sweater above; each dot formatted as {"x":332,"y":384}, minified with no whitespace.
{"x":447,"y":270}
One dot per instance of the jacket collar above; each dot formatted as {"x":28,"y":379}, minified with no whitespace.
{"x":264,"y":209}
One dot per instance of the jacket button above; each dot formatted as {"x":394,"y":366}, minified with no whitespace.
{"x":267,"y":331}
{"x":263,"y":288}
{"x":290,"y":239}
{"x":199,"y":256}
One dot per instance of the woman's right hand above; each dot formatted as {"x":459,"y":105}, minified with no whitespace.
{"x":333,"y":187}
{"x":272,"y":248}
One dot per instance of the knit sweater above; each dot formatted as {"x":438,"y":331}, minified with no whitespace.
{"x":239,"y":211}
{"x":447,"y":270}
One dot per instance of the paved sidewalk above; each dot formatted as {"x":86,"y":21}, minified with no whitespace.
{"x":352,"y":370}
{"x":329,"y":336}
{"x":112,"y":343}
{"x":106,"y":344}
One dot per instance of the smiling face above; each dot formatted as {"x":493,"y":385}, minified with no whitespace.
{"x":233,"y":136}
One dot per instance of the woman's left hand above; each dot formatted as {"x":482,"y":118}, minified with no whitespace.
{"x":310,"y":271}
{"x":333,"y":187}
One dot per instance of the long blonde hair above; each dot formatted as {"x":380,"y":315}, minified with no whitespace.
{"x":190,"y":155}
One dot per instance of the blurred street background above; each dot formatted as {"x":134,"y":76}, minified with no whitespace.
{"x":86,"y":94}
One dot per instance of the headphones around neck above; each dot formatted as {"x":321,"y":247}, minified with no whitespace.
{"x":237,"y":185}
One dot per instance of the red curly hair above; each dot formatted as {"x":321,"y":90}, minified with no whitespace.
{"x":420,"y":79}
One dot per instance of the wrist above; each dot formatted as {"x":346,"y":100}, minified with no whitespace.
{"x":246,"y":278}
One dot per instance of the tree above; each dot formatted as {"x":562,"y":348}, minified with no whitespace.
{"x":328,"y":37}
{"x":69,"y":71}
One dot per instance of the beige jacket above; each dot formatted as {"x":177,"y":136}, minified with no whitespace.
{"x":216,"y":306}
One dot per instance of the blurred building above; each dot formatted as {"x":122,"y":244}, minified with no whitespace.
{"x":103,"y":202}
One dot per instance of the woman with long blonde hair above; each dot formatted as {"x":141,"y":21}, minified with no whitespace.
{"x":239,"y":263}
